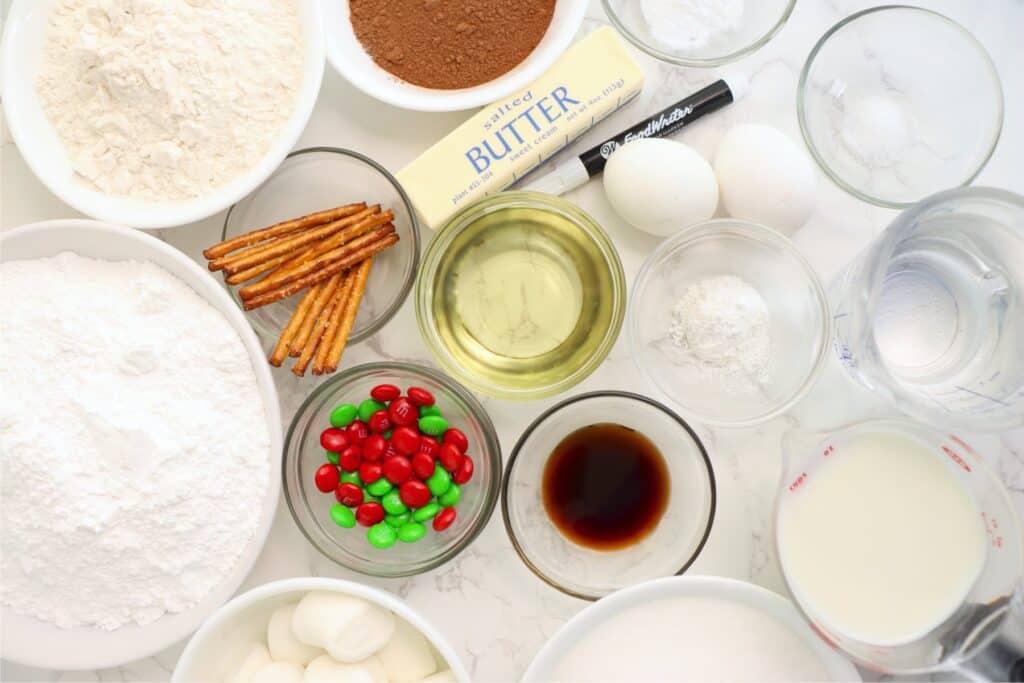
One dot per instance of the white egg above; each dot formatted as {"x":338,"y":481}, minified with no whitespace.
{"x":660,"y":186}
{"x":765,"y":177}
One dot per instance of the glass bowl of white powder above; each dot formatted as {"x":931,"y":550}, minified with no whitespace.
{"x":729,"y":321}
{"x":701,"y":33}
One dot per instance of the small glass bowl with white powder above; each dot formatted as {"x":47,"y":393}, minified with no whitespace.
{"x":700,"y":33}
{"x":729,"y":321}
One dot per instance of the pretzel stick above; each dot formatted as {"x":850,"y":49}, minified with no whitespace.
{"x":325,"y":290}
{"x":281,"y":350}
{"x":279,"y":278}
{"x":337,"y":320}
{"x":240,"y":276}
{"x":288,"y":243}
{"x":339,"y":298}
{"x":329,"y":355}
{"x":327,"y":271}
{"x":283,"y":228}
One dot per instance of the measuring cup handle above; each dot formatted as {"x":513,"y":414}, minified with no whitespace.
{"x":1003,"y":658}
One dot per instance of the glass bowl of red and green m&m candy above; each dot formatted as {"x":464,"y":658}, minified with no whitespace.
{"x":391,"y":469}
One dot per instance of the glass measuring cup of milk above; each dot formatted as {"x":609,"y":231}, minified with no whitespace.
{"x":931,"y":315}
{"x":902,"y":548}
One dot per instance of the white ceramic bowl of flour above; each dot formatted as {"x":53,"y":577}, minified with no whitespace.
{"x":36,"y":643}
{"x":688,"y":628}
{"x":43,"y":151}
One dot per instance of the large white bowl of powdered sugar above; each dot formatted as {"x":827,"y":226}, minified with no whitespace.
{"x":157,"y":114}
{"x":140,"y":438}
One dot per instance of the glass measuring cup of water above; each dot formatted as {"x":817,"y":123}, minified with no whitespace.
{"x":931,"y":315}
{"x":933,"y":577}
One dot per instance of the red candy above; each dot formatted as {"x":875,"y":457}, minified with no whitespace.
{"x":357,"y":431}
{"x":369,"y":514}
{"x":397,"y":469}
{"x":374,"y":447}
{"x":370,"y":472}
{"x":429,"y":445}
{"x":423,"y":465}
{"x":333,"y":439}
{"x":444,"y":519}
{"x":450,"y":457}
{"x":420,"y":396}
{"x":326,"y":477}
{"x":414,"y":493}
{"x":379,"y":422}
{"x":406,"y":440}
{"x":350,"y":458}
{"x":465,"y":471}
{"x":403,"y":412}
{"x":349,"y":494}
{"x":457,"y":438}
{"x":385,"y":392}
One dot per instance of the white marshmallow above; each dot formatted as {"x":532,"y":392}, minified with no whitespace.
{"x":282,"y":643}
{"x":445,"y":676}
{"x":407,"y":657}
{"x":279,"y":672}
{"x":255,"y":659}
{"x":324,"y":669}
{"x":349,"y":628}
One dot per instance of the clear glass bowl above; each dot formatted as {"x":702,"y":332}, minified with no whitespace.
{"x":318,"y":178}
{"x":349,"y":547}
{"x":758,"y":23}
{"x":889,"y":121}
{"x":590,"y":574}
{"x":520,"y":374}
{"x":798,"y":312}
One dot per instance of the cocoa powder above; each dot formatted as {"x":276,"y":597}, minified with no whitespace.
{"x":450,"y":44}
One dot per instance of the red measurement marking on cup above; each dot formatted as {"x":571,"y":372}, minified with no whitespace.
{"x":828,"y":451}
{"x":992,"y":529}
{"x":965,"y":446}
{"x":955,"y":457}
{"x":798,"y":481}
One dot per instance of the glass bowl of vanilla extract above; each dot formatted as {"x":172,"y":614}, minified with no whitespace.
{"x":605,"y":490}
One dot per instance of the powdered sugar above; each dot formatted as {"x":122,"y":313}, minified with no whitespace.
{"x":169,"y":99}
{"x":691,"y":24}
{"x":724,"y":323}
{"x":133,"y":438}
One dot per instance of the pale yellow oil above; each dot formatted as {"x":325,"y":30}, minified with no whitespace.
{"x":523,"y":298}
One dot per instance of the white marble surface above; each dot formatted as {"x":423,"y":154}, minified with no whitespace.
{"x":494,"y":611}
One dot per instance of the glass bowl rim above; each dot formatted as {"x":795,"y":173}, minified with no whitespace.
{"x":580,"y":398}
{"x":493,"y":453}
{"x":414,"y":227}
{"x":696,"y":62}
{"x":802,"y":118}
{"x":434,"y":255}
{"x":762,"y":235}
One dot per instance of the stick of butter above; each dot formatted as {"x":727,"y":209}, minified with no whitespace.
{"x":506,"y":140}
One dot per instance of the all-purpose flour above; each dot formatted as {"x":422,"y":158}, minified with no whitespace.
{"x":133,"y":441}
{"x":169,"y":99}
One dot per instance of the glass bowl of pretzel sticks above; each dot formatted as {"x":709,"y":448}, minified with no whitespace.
{"x":322,"y":255}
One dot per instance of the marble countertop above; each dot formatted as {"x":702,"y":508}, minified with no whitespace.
{"x":494,"y":611}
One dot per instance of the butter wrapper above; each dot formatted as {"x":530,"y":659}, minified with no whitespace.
{"x":506,"y":140}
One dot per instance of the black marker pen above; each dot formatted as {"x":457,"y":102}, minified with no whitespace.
{"x":575,"y":172}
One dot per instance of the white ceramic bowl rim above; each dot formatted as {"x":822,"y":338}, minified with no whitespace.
{"x":92,"y":648}
{"x":387,"y":600}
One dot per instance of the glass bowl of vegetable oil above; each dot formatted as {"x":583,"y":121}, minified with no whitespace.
{"x":520,"y":295}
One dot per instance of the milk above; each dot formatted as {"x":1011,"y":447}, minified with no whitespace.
{"x":881,"y":542}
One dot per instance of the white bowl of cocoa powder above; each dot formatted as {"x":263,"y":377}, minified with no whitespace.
{"x":447,"y":55}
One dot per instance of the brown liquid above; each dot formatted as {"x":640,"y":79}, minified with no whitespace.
{"x":605,"y":486}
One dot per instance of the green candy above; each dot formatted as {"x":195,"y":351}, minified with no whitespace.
{"x":369,"y":497}
{"x":411,"y":532}
{"x":439,"y":482}
{"x":343,"y":415}
{"x":379,"y":487}
{"x":397,"y":520}
{"x":435,"y":425}
{"x":392,"y":503}
{"x":368,"y":408}
{"x":381,"y":535}
{"x":350,"y":478}
{"x":387,"y":434}
{"x":428,"y":511}
{"x":427,"y":411}
{"x":332,"y":457}
{"x":450,"y":497}
{"x":343,"y":516}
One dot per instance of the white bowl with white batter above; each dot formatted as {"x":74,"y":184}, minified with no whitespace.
{"x":31,"y":641}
